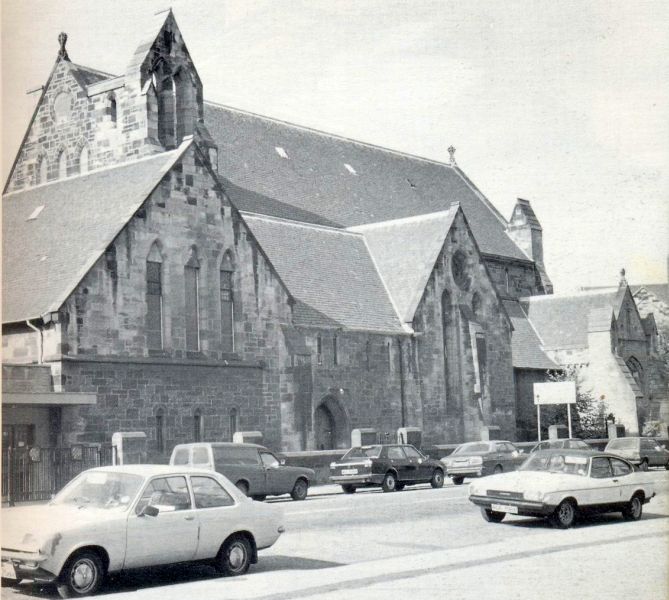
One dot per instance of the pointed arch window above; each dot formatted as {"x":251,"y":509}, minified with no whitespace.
{"x":41,"y":170}
{"x":319,"y":349}
{"x":62,"y":165}
{"x":233,"y":417}
{"x":110,"y":108}
{"x":227,"y":305}
{"x":154,"y":299}
{"x":160,"y":430}
{"x":167,"y":108}
{"x":335,"y":350}
{"x":198,"y":425}
{"x":192,"y":304}
{"x":83,"y":160}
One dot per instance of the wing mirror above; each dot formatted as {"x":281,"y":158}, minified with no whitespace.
{"x":282,"y":461}
{"x":149,"y":511}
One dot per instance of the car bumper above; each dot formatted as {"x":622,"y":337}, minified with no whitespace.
{"x":464,"y":471}
{"x":25,"y":565}
{"x":362,"y":479}
{"x":525,"y":508}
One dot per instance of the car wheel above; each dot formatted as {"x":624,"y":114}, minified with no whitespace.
{"x":492,"y":516}
{"x":437,"y":480}
{"x":632,"y":512}
{"x":389,"y":483}
{"x":82,"y":575}
{"x":300,"y":490}
{"x":243,"y":487}
{"x":457,"y":480}
{"x":9,"y":582}
{"x":259,"y":498}
{"x":643,"y":465}
{"x":667,"y":466}
{"x":497,"y":469}
{"x":565,"y":514}
{"x":234,"y":557}
{"x":348,"y":488}
{"x":399,"y":486}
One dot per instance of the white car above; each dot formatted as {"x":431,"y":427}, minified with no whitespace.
{"x":116,"y":518}
{"x":560,"y":484}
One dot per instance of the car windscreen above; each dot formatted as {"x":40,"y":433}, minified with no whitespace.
{"x":623,"y":443}
{"x":556,"y":463}
{"x":364,"y":452}
{"x":235,"y":455}
{"x":100,"y":489}
{"x":472,"y":448}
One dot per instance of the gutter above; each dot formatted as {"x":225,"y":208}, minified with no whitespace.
{"x":41,"y":340}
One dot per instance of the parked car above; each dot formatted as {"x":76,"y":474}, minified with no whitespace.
{"x":111,"y":519}
{"x":574,"y":443}
{"x":642,"y":451}
{"x":391,"y":466}
{"x":560,"y":484}
{"x":255,"y":470}
{"x":476,"y":459}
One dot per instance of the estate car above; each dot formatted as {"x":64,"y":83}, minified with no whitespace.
{"x":642,"y":451}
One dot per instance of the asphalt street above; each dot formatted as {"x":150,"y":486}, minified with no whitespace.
{"x":425,"y":543}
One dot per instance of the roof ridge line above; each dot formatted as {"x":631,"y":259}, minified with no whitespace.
{"x":571,"y":295}
{"x":332,"y":135}
{"x":91,"y":172}
{"x":258,"y":215}
{"x":536,"y":331}
{"x":94,"y":70}
{"x":412,"y":218}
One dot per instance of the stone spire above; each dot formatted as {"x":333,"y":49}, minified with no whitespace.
{"x":62,"y":40}
{"x":623,"y":282}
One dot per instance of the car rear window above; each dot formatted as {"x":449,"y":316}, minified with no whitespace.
{"x":473,"y":447}
{"x":364,"y":452}
{"x":232,"y":455}
{"x":623,"y":443}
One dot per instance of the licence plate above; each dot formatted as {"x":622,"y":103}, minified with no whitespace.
{"x":505,"y":508}
{"x":8,"y":570}
{"x":349,"y":471}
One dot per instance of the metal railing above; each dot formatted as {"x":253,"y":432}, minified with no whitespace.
{"x":33,"y":474}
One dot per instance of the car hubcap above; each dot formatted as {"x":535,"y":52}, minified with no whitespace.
{"x":237,"y":556}
{"x":636,"y":507}
{"x":565,"y":513}
{"x":83,"y":575}
{"x":438,"y":478}
{"x":390,"y":482}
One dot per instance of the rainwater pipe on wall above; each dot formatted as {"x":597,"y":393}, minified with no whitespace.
{"x":41,"y":340}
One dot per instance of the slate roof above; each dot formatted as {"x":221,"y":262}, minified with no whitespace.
{"x":659,"y":290}
{"x":563,"y":321}
{"x":405,"y":251}
{"x":43,"y":259}
{"x":386,"y":184}
{"x":526,"y":347}
{"x":329,"y":273}
{"x":88,"y":76}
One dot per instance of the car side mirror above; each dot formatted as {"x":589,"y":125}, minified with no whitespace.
{"x":149,"y":511}
{"x":282,"y":461}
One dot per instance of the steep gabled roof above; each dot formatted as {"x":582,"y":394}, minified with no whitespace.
{"x":328,"y":272}
{"x":341,"y":181}
{"x":405,"y":251}
{"x":73,"y":221}
{"x":526,"y":347}
{"x":563,"y":321}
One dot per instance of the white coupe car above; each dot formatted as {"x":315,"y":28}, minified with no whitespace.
{"x":560,"y":484}
{"x":116,"y":518}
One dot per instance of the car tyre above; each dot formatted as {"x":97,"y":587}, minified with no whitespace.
{"x":457,"y":479}
{"x":243,"y":487}
{"x":234,"y":557}
{"x":399,"y":486}
{"x":492,"y":516}
{"x":564,"y":515}
{"x":259,"y":497}
{"x":643,"y":465}
{"x":82,"y":575}
{"x":667,"y":466}
{"x":497,"y":469}
{"x":9,"y":582}
{"x":300,"y":490}
{"x":348,"y":488}
{"x":437,"y":480}
{"x":389,"y":483}
{"x":633,"y":511}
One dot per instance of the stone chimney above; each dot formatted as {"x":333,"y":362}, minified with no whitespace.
{"x":524,"y":229}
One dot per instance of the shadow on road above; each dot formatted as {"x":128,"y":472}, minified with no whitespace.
{"x":582,"y":521}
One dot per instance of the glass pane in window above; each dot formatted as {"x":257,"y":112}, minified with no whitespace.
{"x":191,"y":309}
{"x":168,"y":494}
{"x":209,"y":493}
{"x":600,"y":468}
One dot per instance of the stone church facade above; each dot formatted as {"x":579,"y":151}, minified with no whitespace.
{"x":191,"y":270}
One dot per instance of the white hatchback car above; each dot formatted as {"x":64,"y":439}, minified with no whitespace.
{"x":116,"y":518}
{"x":560,"y":484}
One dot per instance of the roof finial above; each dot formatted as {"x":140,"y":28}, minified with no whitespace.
{"x":623,"y":281}
{"x":451,"y":151}
{"x":62,"y":40}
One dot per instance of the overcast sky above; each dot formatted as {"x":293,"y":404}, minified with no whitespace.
{"x":562,"y":103}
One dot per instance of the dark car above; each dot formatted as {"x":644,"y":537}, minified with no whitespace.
{"x":476,"y":459}
{"x":255,"y":470}
{"x":569,"y":443}
{"x":391,"y":466}
{"x":641,"y":451}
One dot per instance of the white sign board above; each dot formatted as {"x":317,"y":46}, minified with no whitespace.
{"x":562,"y":392}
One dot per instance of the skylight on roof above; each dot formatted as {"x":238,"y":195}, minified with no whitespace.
{"x":281,"y":152}
{"x":34,"y":214}
{"x":350,"y":169}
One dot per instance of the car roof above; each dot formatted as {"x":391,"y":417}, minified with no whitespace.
{"x":151,"y":470}
{"x":575,"y":452}
{"x":222,"y":445}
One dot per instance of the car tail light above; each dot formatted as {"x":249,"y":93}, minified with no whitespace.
{"x":475,"y":460}
{"x":367,"y":463}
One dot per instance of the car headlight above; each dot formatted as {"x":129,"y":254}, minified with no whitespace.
{"x":367,"y":463}
{"x":534,"y":496}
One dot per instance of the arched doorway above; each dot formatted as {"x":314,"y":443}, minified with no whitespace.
{"x":331,"y":429}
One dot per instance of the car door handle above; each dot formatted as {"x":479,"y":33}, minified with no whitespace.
{"x":189,"y":517}
{"x":615,"y":481}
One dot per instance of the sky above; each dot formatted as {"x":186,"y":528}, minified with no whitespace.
{"x":565,"y":104}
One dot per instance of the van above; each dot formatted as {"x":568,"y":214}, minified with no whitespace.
{"x":642,"y":451}
{"x":254,"y":469}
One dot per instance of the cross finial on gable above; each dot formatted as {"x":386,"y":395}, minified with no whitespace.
{"x":623,"y":281}
{"x":62,"y":40}
{"x":451,"y":151}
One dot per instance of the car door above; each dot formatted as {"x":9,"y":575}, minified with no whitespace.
{"x":405,"y":470}
{"x":422,"y":471}
{"x":169,"y":537}
{"x":652,"y":450}
{"x":622,"y":475}
{"x":217,"y":512}
{"x":273,"y":474}
{"x":602,"y":487}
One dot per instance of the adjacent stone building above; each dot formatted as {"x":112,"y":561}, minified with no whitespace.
{"x":195,"y":270}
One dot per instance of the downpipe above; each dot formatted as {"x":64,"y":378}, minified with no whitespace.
{"x":40,"y":359}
